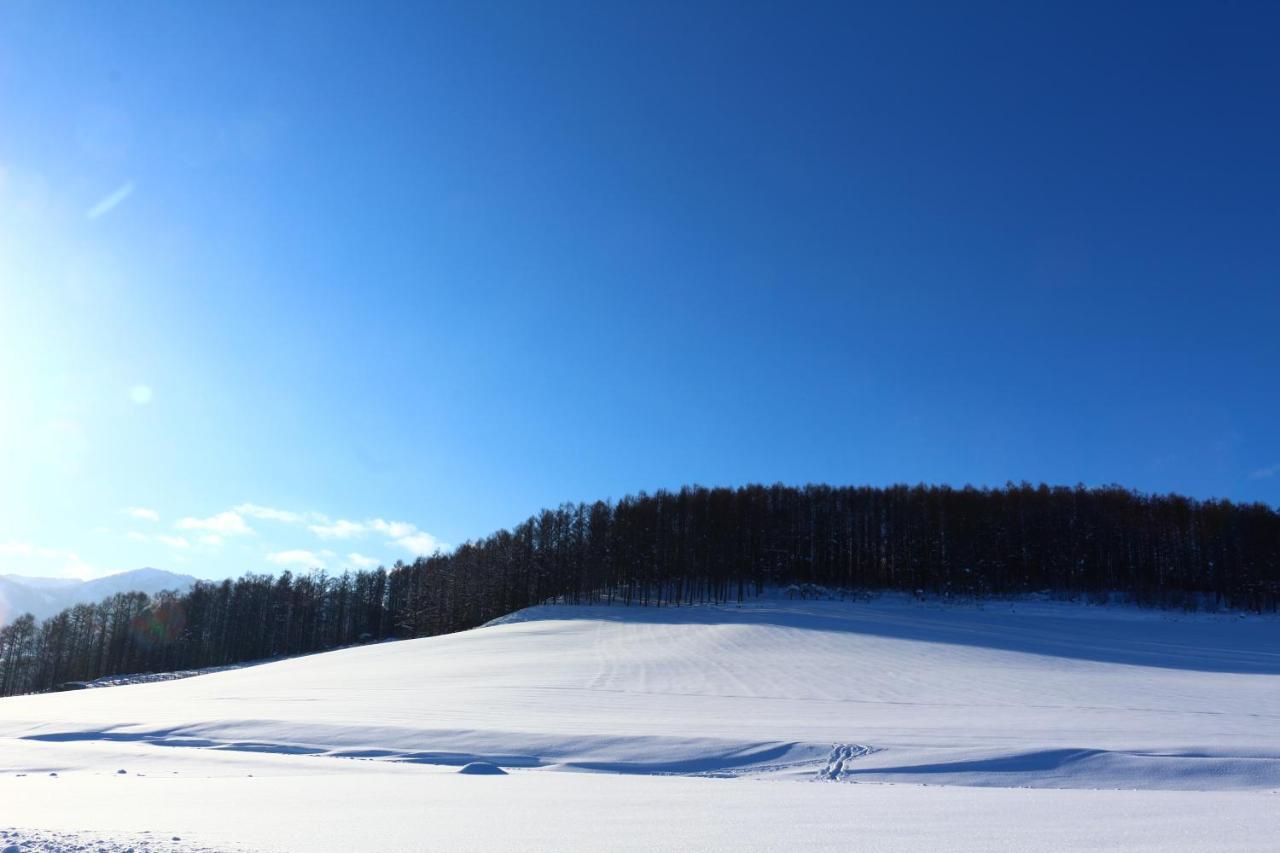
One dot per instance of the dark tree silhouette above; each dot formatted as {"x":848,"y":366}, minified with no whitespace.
{"x":691,"y":546}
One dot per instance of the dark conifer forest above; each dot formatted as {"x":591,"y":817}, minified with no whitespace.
{"x":692,"y":546}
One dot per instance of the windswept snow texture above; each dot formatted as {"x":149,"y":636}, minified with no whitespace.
{"x":804,"y":697}
{"x":15,"y":841}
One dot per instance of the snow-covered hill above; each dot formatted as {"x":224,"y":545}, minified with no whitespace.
{"x":43,"y":597}
{"x":768,"y":711}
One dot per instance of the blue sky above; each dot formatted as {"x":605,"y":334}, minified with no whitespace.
{"x":285,"y":285}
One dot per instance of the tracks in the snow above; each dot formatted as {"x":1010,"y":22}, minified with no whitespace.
{"x":842,"y":754}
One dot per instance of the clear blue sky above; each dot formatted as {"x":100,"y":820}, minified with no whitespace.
{"x":425,"y":268}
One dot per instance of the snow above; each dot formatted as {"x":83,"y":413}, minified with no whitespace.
{"x":363,"y":806}
{"x":991,"y":727}
{"x":481,"y":768}
{"x":174,"y":675}
{"x":39,"y":841}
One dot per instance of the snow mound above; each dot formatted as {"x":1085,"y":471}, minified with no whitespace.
{"x":481,"y":768}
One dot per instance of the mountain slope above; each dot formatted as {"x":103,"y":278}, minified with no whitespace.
{"x":44,"y":597}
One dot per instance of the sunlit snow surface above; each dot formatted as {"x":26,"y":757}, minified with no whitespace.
{"x":707,"y":728}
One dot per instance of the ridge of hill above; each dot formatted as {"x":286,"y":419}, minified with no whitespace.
{"x":45,"y":597}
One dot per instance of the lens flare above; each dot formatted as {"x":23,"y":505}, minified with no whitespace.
{"x":159,"y":624}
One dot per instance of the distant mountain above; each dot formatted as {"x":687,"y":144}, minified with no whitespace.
{"x":43,"y":597}
{"x":149,"y":581}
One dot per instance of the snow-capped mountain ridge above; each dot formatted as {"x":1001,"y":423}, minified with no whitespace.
{"x":45,"y":597}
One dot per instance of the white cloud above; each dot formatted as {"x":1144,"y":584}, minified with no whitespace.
{"x":140,"y":394}
{"x":111,"y":201}
{"x":340,"y":529}
{"x":394,"y":529}
{"x":142,"y":513}
{"x":409,"y":537}
{"x":229,"y":523}
{"x":210,"y":539}
{"x":420,"y":544}
{"x":360,"y":561}
{"x":1265,"y":473}
{"x":299,"y":557}
{"x":272,"y":514}
{"x":401,"y":533}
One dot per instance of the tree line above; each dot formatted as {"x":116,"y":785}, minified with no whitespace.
{"x":695,"y":545}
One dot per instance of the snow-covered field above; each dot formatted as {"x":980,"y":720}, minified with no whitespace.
{"x":1009,"y":726}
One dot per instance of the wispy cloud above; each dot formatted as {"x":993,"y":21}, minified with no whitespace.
{"x":383,"y":538}
{"x":111,"y":201}
{"x":229,"y":523}
{"x":340,"y":529}
{"x":360,"y":561}
{"x":300,"y":557}
{"x":420,"y":544}
{"x":417,"y":542}
{"x":394,"y":529}
{"x":1265,"y":473}
{"x":270,"y":513}
{"x":401,"y":533}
